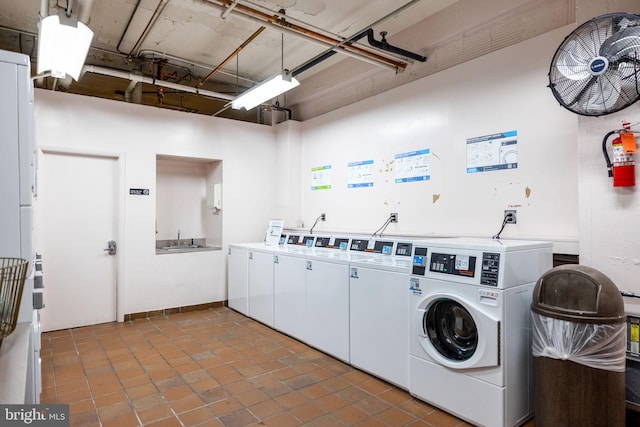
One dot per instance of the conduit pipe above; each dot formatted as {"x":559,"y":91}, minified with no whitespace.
{"x":84,"y":11}
{"x":152,"y":81}
{"x":161,"y":55}
{"x":329,"y":53}
{"x":229,"y":8}
{"x":235,"y":52}
{"x":154,"y":17}
{"x":310,"y":35}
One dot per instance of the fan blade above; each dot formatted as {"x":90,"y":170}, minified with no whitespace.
{"x":624,"y":44}
{"x":573,"y":62}
{"x":604,"y":94}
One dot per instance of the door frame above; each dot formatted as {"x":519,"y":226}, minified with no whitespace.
{"x":120,"y":211}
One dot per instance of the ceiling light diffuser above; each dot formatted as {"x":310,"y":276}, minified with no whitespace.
{"x":266,"y":90}
{"x":62,"y":47}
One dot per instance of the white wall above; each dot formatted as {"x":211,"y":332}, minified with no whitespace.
{"x":609,"y":216}
{"x":137,"y":134}
{"x":503,"y":91}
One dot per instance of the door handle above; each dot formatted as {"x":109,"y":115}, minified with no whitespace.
{"x":309,"y":266}
{"x":354,"y":273}
{"x":111,"y":247}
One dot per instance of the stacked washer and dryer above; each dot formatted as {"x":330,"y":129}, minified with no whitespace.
{"x":470,"y":327}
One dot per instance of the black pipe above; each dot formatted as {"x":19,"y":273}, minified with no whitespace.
{"x":606,"y":154}
{"x":382,"y":44}
{"x":324,"y":56}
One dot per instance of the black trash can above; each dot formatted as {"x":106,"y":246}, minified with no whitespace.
{"x":579,"y":349}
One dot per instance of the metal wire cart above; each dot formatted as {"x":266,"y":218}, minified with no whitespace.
{"x":13,"y":272}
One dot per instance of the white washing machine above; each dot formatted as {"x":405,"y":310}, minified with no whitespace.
{"x":378,"y":314}
{"x":470,"y":330}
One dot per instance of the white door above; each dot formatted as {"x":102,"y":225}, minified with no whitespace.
{"x":328,"y":307}
{"x":290,"y":295}
{"x":75,"y":218}
{"x":238,"y":281}
{"x":261,"y":286}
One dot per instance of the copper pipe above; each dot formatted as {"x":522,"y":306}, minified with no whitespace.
{"x":235,"y":52}
{"x":276,"y":20}
{"x":146,"y":29}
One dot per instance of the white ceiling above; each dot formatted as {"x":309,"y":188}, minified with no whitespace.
{"x":182,"y":41}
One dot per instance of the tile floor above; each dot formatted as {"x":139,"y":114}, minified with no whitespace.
{"x":214,"y":367}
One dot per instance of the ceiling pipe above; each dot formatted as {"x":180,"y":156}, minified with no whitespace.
{"x":329,"y":53}
{"x":230,"y":57}
{"x":310,"y":35}
{"x":152,"y":81}
{"x":44,"y":8}
{"x":322,"y":57}
{"x":154,"y":18}
{"x":229,"y":8}
{"x":84,"y":11}
{"x":161,"y":55}
{"x":382,"y":44}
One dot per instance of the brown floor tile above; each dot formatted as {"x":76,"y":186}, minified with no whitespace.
{"x":351,"y":415}
{"x":284,"y":419}
{"x":214,"y":368}
{"x":291,"y":399}
{"x":186,"y":403}
{"x":195,"y":416}
{"x":225,"y":406}
{"x":155,"y":413}
{"x":265,"y":409}
{"x":395,"y":417}
{"x":307,"y":412}
{"x":128,"y":420}
{"x":331,"y":402}
{"x":238,"y":418}
{"x":114,"y":411}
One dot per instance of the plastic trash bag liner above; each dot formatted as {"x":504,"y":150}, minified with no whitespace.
{"x":597,"y":346}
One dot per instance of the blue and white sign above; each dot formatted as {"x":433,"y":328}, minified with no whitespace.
{"x":492,"y":152}
{"x":360,"y":174}
{"x":412,"y":166}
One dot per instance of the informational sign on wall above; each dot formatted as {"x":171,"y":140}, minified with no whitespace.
{"x":321,"y":177}
{"x":412,"y":166}
{"x":360,"y":174}
{"x":492,"y":152}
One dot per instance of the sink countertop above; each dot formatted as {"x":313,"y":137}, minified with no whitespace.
{"x":186,"y":245}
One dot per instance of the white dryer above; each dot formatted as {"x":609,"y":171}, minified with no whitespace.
{"x":470,"y":327}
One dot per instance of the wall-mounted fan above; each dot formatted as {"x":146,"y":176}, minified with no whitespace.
{"x":596,"y":69}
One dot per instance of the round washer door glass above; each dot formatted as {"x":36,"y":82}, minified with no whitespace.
{"x":451,"y":329}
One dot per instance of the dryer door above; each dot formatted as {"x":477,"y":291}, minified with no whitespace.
{"x":456,"y":333}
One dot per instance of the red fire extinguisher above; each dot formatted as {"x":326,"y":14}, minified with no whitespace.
{"x":622,"y":169}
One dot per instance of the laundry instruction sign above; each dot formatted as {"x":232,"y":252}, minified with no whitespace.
{"x":321,"y":177}
{"x":492,"y":152}
{"x":413,"y":166}
{"x":360,"y":174}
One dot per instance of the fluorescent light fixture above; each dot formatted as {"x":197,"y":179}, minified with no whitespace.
{"x":62,"y":46}
{"x":266,"y":90}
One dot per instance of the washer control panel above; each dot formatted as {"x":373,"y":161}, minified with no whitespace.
{"x":419,"y":261}
{"x":490,"y":269}
{"x":456,"y":264}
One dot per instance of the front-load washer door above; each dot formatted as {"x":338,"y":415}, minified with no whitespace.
{"x":456,"y":333}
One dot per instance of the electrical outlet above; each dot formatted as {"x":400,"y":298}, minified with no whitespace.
{"x":510,"y":216}
{"x":323,"y":216}
{"x":394,"y":217}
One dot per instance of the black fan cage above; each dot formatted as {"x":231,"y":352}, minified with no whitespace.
{"x":596,"y":69}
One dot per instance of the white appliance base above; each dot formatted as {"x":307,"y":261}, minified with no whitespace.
{"x":468,"y":398}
